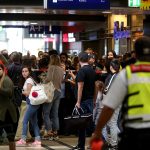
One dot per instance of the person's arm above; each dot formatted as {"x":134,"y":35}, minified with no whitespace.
{"x":79,"y":94}
{"x":112,"y":100}
{"x":27,"y":91}
{"x":103,"y":119}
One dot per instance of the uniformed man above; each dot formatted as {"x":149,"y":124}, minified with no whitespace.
{"x":131,"y":88}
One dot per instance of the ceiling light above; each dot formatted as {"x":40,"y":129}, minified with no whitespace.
{"x":106,"y":12}
{"x":33,"y":23}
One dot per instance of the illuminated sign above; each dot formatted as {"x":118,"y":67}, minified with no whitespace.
{"x":121,"y":31}
{"x":35,"y":29}
{"x":77,"y":4}
{"x":134,"y":3}
{"x":145,"y":5}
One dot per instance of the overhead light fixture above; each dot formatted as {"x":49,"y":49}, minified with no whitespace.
{"x":33,"y":23}
{"x":106,"y":12}
{"x":25,"y":23}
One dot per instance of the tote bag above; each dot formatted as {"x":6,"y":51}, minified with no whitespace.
{"x":77,"y":120}
{"x":37,"y":94}
{"x":49,"y":91}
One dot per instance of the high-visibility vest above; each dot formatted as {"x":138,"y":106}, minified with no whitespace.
{"x":138,"y":105}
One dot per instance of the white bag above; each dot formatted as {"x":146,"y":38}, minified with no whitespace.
{"x":49,"y":91}
{"x":37,"y":95}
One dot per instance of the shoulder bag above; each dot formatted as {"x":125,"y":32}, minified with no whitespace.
{"x":37,"y":94}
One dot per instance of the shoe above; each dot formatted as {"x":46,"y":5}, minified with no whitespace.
{"x":55,"y":135}
{"x":78,"y":148}
{"x":21,"y":142}
{"x":36,"y":143}
{"x":48,"y":136}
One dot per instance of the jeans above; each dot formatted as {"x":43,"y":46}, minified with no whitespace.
{"x":50,"y":113}
{"x":31,"y":115}
{"x":87,"y":106}
{"x":111,"y":130}
{"x":23,"y":109}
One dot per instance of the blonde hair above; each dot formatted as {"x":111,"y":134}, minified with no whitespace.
{"x":55,"y":60}
{"x":2,"y":78}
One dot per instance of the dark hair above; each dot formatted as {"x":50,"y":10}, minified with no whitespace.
{"x":142,"y":46}
{"x":83,"y":57}
{"x":65,"y":54}
{"x":52,"y":52}
{"x":15,"y":56}
{"x":22,"y":79}
{"x":115,"y":64}
{"x":43,"y":62}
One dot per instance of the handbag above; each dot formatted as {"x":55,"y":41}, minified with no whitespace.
{"x":37,"y":94}
{"x":49,"y":91}
{"x":78,"y":120}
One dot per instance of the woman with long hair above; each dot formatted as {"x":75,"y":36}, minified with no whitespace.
{"x":8,"y":114}
{"x":31,"y":111}
{"x":50,"y":110}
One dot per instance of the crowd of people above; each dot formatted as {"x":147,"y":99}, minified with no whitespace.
{"x":83,"y":81}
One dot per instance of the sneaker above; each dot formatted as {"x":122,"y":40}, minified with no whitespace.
{"x":21,"y":142}
{"x":55,"y":135}
{"x":36,"y":143}
{"x":50,"y":138}
{"x":77,"y":148}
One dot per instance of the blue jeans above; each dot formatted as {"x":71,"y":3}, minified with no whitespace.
{"x":87,"y":106}
{"x":31,"y":115}
{"x":50,"y":113}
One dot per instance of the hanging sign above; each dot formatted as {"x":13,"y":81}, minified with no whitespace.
{"x":77,"y":4}
{"x":35,"y":29}
{"x":134,"y":3}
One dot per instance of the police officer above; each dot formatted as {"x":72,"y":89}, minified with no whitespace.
{"x":133,"y":83}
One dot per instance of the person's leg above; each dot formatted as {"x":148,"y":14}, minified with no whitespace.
{"x":23,"y":108}
{"x":87,"y":107}
{"x":28,"y":115}
{"x":10,"y":128}
{"x":54,"y":111}
{"x":46,"y":117}
{"x":113,"y":129}
{"x":35,"y":126}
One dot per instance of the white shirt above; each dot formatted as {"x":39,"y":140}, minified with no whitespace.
{"x":30,"y":81}
{"x":117,"y":91}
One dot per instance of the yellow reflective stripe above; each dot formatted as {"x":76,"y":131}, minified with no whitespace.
{"x":128,"y":70}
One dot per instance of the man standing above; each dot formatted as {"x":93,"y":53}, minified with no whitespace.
{"x":85,"y":82}
{"x":131,"y":88}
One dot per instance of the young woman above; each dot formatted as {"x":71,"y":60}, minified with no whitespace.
{"x":50,"y":110}
{"x":31,"y":111}
{"x":8,"y":114}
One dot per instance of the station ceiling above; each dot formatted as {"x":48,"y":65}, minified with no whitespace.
{"x":26,"y":15}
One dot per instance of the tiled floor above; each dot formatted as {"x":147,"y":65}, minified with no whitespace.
{"x":64,"y":143}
